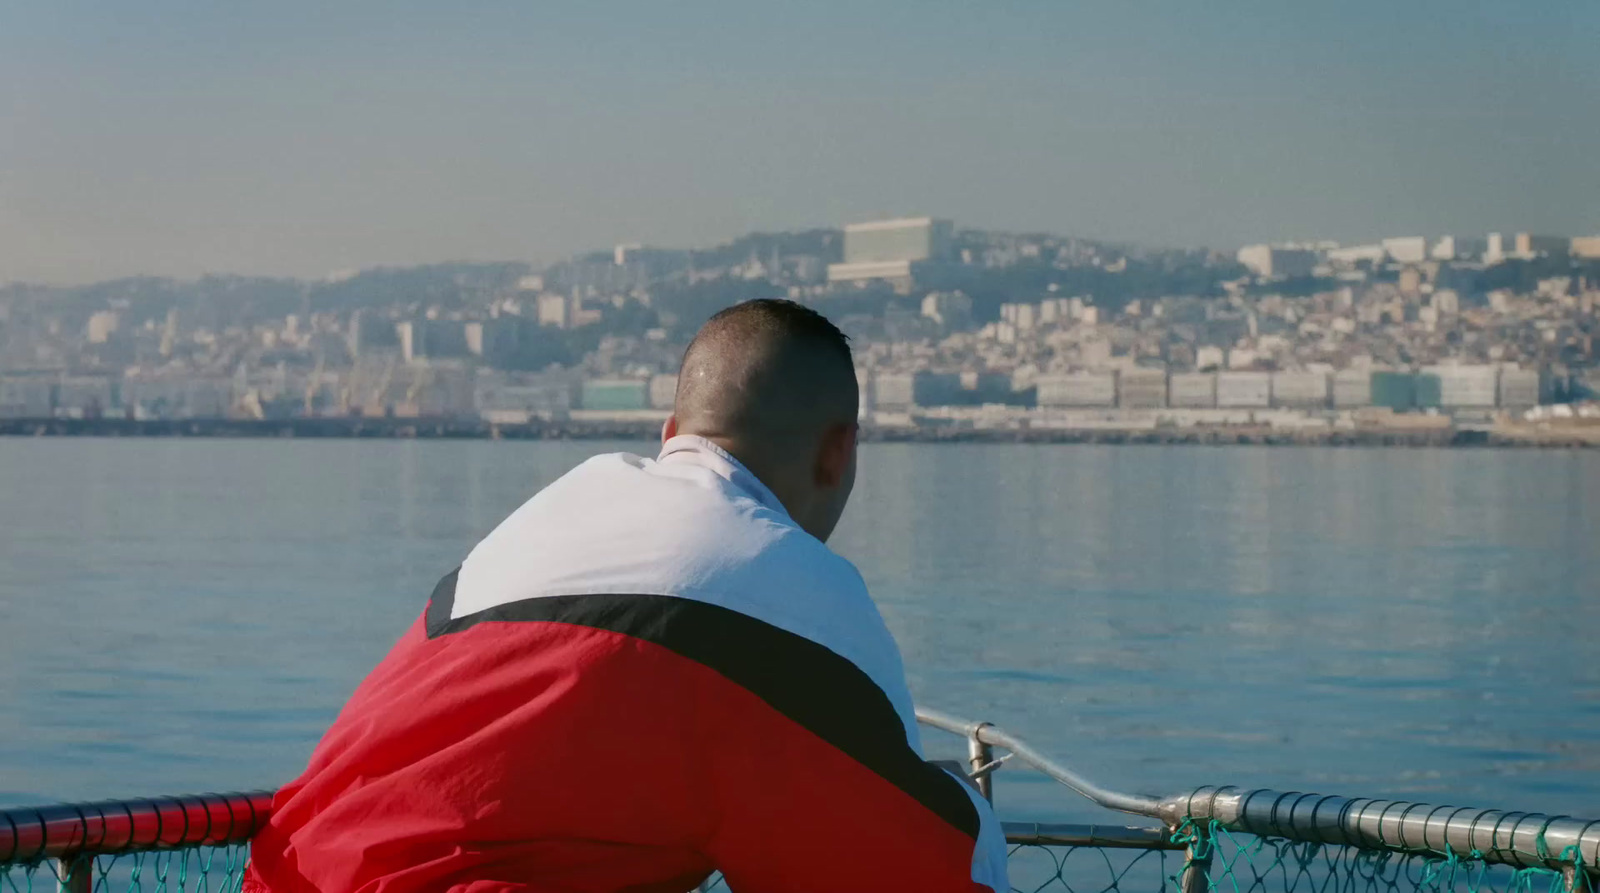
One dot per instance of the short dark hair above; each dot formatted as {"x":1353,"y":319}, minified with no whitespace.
{"x":764,"y":369}
{"x":780,"y":315}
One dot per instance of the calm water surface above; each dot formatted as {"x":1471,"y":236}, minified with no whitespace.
{"x":189,"y":615}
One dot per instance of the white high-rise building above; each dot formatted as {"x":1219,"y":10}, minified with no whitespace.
{"x":1270,"y":262}
{"x":102,"y":326}
{"x":888,"y":249}
{"x":1457,"y":248}
{"x":553,"y":310}
{"x":1407,"y":249}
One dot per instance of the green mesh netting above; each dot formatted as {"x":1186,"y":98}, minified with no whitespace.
{"x":1081,"y":869}
{"x":1241,"y":863}
{"x":191,"y":870}
{"x":1230,"y":862}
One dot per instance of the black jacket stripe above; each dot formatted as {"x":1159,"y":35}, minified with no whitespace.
{"x":802,"y":679}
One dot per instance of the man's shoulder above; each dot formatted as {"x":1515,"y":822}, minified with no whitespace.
{"x":803,"y":560}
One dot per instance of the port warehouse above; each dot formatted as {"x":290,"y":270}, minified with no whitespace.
{"x":456,"y":391}
{"x":1428,"y":388}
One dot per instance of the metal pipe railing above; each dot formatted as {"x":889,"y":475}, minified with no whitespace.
{"x":1136,"y":804}
{"x":32,"y":834}
{"x":70,"y":833}
{"x":1111,"y":837}
{"x":1522,"y":839}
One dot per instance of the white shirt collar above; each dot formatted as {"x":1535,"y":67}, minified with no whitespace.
{"x":696,"y":450}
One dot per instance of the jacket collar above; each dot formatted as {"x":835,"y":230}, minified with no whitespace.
{"x":692,"y":449}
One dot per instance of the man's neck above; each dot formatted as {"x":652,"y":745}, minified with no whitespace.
{"x":765,"y":470}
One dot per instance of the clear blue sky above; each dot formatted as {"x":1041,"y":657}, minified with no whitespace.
{"x":296,"y":137}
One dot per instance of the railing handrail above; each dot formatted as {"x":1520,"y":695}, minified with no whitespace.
{"x":69,"y":831}
{"x":1523,"y":839}
{"x":63,"y":831}
{"x":1135,"y":804}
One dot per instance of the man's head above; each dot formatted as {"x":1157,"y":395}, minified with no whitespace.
{"x":772,"y":382}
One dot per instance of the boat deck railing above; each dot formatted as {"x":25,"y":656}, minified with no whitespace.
{"x":1224,"y":839}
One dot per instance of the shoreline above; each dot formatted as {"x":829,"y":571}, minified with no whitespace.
{"x":590,"y":429}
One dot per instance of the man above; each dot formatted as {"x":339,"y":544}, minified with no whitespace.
{"x":650,"y":671}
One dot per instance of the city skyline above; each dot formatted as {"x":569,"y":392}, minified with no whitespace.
{"x":178,"y":140}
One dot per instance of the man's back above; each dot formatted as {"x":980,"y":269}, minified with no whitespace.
{"x":646,"y":673}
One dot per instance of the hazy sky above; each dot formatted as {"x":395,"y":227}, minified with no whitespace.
{"x":302,"y":138}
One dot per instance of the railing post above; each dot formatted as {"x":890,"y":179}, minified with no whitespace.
{"x":1574,"y":879}
{"x":980,"y":755}
{"x":76,"y":874}
{"x":1196,"y":876}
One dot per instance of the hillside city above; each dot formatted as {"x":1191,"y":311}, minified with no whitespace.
{"x":951,"y":328}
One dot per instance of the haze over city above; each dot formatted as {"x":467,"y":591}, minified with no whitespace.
{"x":179,"y":138}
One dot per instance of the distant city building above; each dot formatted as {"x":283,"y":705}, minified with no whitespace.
{"x":102,"y":326}
{"x":1352,"y":388}
{"x":1077,"y":389}
{"x":1142,"y":388}
{"x":1193,"y":390}
{"x":1307,"y":390}
{"x":1270,"y":262}
{"x":1356,"y":254}
{"x":1496,"y":248}
{"x":1209,"y":357}
{"x":1521,"y":389}
{"x":1407,"y":249}
{"x":615,"y":394}
{"x":1463,"y":387}
{"x":1586,"y":247}
{"x":891,"y":249}
{"x":178,"y":397}
{"x":498,"y":341}
{"x":1240,"y":390}
{"x":1530,"y":245}
{"x":553,"y":310}
{"x":899,"y":392}
{"x":1410,"y":281}
{"x":29,"y":397}
{"x":430,"y":339}
{"x":913,"y":239}
{"x":516,"y":400}
{"x":370,"y":332}
{"x":950,"y":309}
{"x":584,"y":315}
{"x":87,"y":396}
{"x":1022,"y":316}
{"x":1457,"y":248}
{"x":644,"y":265}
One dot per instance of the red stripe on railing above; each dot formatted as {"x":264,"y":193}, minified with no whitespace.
{"x":111,"y":826}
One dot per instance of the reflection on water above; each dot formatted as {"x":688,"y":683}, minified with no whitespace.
{"x":188,"y":615}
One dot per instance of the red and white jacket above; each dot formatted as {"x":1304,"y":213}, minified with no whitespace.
{"x":648,"y":672}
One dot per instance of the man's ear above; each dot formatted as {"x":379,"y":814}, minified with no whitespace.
{"x":833,"y":458}
{"x":669,"y":428}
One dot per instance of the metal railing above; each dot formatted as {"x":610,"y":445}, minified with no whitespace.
{"x":1446,"y":844}
{"x":69,"y":840}
{"x":1233,"y":840}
